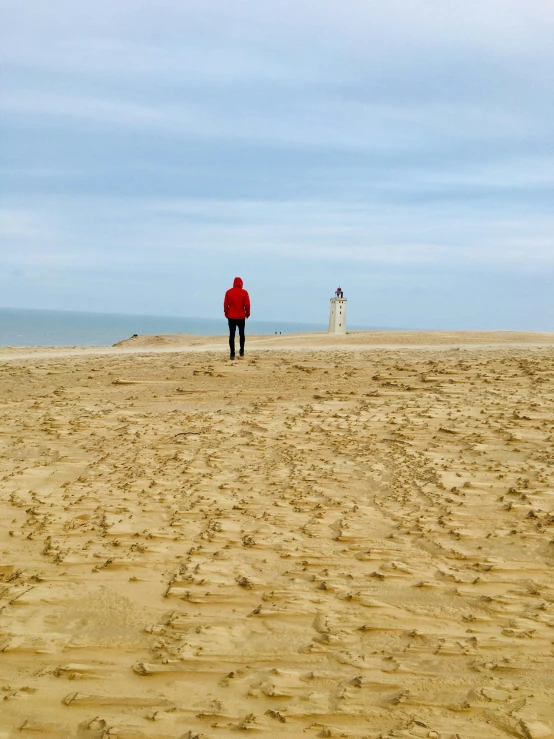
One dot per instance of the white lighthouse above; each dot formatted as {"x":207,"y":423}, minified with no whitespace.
{"x":337,"y":314}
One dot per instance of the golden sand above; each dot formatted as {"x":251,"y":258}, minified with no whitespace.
{"x":334,"y":537}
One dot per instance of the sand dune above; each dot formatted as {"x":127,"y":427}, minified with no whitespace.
{"x":369,"y":340}
{"x":326,"y":539}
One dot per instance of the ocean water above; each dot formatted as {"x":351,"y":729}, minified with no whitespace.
{"x":68,"y":328}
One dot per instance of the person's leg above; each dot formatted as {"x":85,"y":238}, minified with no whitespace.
{"x":240,"y":324}
{"x":232,"y":331}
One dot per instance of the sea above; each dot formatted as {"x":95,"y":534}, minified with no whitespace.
{"x":26,"y":327}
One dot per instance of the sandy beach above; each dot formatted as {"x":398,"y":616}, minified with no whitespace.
{"x":333,"y":537}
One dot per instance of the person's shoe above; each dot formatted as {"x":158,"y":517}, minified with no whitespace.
{"x":241,"y":353}
{"x":232,"y":357}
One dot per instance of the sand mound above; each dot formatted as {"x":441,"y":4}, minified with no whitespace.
{"x":158,"y":340}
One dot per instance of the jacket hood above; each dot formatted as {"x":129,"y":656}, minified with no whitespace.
{"x":238,"y":282}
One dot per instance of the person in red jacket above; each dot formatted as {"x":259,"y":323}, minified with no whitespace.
{"x":236,"y":307}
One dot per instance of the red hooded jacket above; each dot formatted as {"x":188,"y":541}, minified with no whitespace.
{"x":237,"y":301}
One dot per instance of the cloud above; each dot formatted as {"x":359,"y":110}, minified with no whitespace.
{"x":19,"y":225}
{"x":80,"y":107}
{"x":405,"y":139}
{"x":170,"y":232}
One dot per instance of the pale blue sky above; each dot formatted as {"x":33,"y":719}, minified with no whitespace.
{"x":150,"y":151}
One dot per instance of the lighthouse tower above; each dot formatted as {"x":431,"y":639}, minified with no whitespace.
{"x":337,"y":314}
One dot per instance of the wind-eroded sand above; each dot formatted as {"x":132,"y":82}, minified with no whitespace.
{"x":325,"y":539}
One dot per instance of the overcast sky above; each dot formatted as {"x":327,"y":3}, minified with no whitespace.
{"x":151,"y":151}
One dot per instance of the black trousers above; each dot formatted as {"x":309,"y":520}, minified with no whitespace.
{"x":235,"y":323}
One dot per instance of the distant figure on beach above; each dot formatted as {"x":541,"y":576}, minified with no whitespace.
{"x":236,"y":307}
{"x":339,"y":293}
